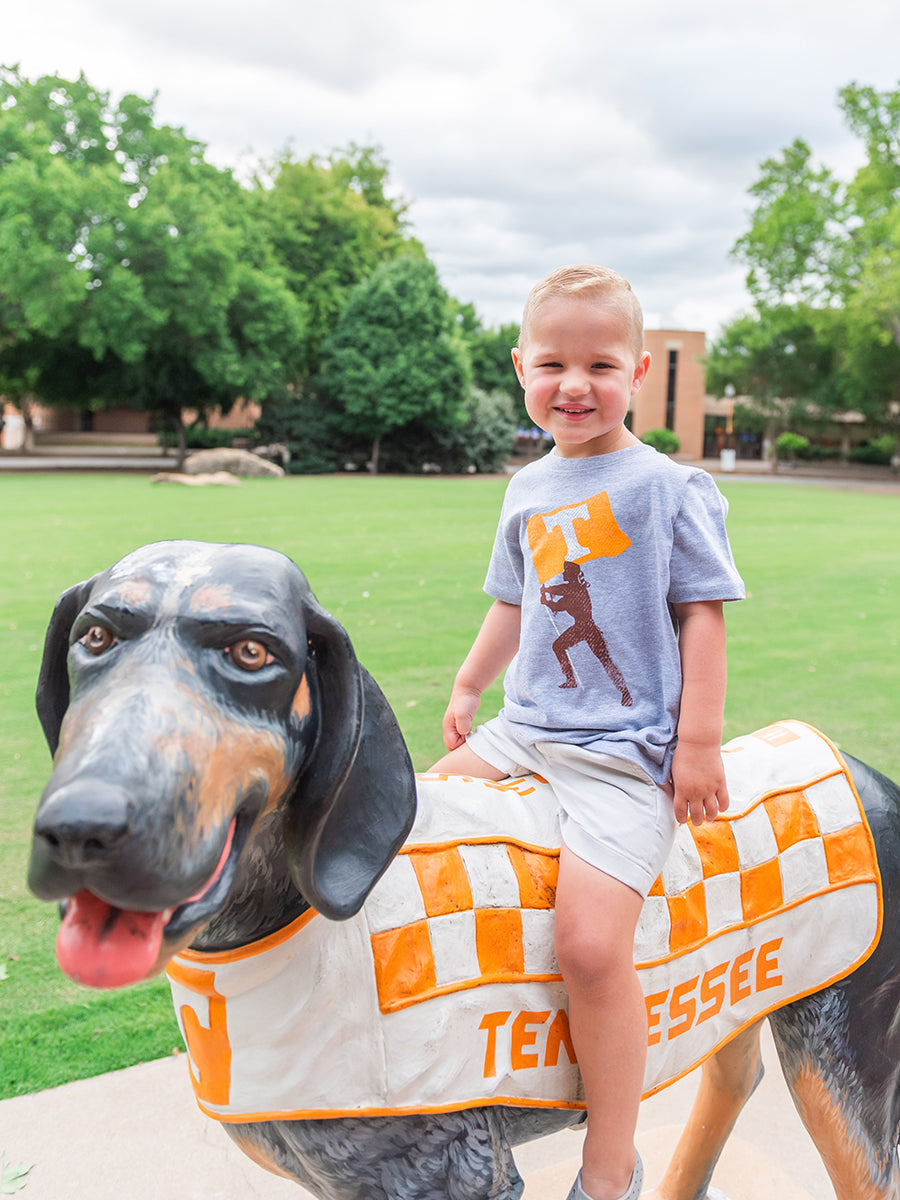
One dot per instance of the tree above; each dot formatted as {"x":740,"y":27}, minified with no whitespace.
{"x":331,"y":222}
{"x":131,"y":269}
{"x":492,"y":368}
{"x":823,"y":259}
{"x":396,"y":355}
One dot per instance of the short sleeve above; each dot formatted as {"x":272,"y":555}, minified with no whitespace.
{"x":506,"y":571}
{"x":702,"y":565}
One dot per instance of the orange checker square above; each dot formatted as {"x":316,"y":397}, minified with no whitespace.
{"x":404,"y":965}
{"x":776,"y":735}
{"x":498,"y":941}
{"x":442,"y":880}
{"x":761,"y":890}
{"x":687,"y":914}
{"x":716,"y":846}
{"x":536,"y":874}
{"x":658,"y":889}
{"x":850,"y":856}
{"x":792,"y":819}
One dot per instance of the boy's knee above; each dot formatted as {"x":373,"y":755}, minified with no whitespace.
{"x":592,"y":958}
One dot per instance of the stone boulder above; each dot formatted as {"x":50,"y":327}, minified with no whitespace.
{"x":236,"y":462}
{"x":221,"y":478}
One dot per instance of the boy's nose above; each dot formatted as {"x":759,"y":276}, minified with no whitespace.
{"x":574,"y":383}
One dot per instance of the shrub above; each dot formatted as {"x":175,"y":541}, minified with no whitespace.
{"x":482,"y":441}
{"x":198,"y":437}
{"x":663,"y":440}
{"x":305,"y":425}
{"x":878,"y":451}
{"x":789,"y":445}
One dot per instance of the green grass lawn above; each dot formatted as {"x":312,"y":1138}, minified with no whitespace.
{"x":400,"y":562}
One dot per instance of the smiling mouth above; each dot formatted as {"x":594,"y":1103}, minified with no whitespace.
{"x":102,"y":946}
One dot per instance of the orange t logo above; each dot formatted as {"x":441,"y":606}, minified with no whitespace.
{"x":208,"y":1047}
{"x":574,"y":533}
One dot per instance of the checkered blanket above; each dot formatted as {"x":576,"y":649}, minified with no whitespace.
{"x":445,"y":992}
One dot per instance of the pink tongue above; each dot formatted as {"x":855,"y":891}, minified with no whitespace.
{"x":105,"y":947}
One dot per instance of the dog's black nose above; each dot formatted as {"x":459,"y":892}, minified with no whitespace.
{"x":82,"y":823}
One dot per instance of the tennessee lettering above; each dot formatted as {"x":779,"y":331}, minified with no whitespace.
{"x":534,"y":1039}
{"x":673,"y":1012}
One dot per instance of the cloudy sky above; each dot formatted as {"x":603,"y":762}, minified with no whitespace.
{"x":524,"y":133}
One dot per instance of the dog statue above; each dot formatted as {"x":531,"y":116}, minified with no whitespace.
{"x":232,"y":800}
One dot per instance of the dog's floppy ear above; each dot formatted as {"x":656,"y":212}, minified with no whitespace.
{"x":52,"y":697}
{"x":356,"y":797}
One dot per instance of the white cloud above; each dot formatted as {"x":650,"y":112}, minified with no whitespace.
{"x":554,"y":131}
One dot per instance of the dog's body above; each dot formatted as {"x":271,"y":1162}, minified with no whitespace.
{"x":224,"y":763}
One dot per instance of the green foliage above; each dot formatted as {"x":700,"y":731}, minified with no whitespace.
{"x":793,"y":230}
{"x":201,"y":437}
{"x":790,"y":445}
{"x":396,"y":356}
{"x":878,"y":451}
{"x":313,"y":432}
{"x":482,"y":442}
{"x":330,"y":222}
{"x":777,"y":356}
{"x":663,"y":440}
{"x":131,"y":269}
{"x":492,"y":368}
{"x":827,"y":251}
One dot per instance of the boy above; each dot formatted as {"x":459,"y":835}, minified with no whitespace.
{"x":608,"y":574}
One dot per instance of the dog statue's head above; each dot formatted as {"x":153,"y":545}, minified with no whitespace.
{"x":191,"y":695}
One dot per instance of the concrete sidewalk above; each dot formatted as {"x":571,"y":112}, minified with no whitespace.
{"x":138,"y":1135}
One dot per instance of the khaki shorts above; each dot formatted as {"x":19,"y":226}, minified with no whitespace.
{"x":612,"y":814}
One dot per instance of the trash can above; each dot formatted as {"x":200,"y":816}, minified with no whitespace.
{"x":13,"y":437}
{"x":728,"y":457}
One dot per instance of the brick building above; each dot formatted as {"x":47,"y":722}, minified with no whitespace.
{"x":674,"y":394}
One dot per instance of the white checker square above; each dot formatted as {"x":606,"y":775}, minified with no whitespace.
{"x":804,"y":870}
{"x":651,"y":938}
{"x":754,"y":838}
{"x":396,"y":899}
{"x":491,"y":876}
{"x":723,"y":902}
{"x":683,"y":867}
{"x":833,"y":803}
{"x":453,"y":946}
{"x":537,"y":942}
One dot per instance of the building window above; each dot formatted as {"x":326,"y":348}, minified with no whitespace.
{"x":670,"y":389}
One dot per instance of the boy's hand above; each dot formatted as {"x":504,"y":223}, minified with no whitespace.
{"x":459,"y":716}
{"x":699,"y":780}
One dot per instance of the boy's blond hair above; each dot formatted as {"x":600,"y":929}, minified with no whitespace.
{"x":587,"y":282}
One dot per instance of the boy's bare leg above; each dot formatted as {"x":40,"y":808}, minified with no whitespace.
{"x":596,"y":917}
{"x":463,"y":761}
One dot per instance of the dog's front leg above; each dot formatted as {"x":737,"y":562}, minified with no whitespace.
{"x":726,"y":1082}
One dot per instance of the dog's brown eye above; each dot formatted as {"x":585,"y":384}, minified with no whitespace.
{"x":249,"y":655}
{"x":97,"y":640}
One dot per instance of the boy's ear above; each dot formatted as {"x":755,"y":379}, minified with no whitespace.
{"x":517,"y":363}
{"x":640,"y":372}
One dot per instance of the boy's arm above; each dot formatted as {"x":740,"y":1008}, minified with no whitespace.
{"x":697,"y":771}
{"x":492,"y":651}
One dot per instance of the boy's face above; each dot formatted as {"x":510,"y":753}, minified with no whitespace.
{"x":579,"y":370}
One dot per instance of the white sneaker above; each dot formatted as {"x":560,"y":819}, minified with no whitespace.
{"x":632,"y":1192}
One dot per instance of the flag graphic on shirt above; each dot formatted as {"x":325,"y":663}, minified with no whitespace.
{"x":560,"y":542}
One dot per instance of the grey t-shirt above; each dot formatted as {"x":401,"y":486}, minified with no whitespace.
{"x":595,"y":550}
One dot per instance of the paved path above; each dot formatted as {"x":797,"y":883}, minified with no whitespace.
{"x":137,"y":1135}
